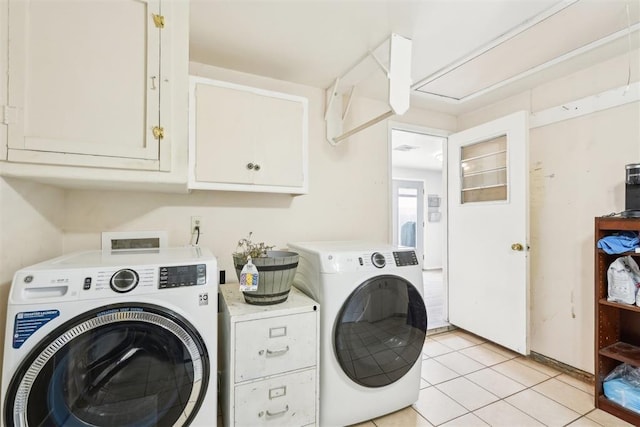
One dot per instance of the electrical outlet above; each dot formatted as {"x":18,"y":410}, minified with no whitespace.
{"x":196,"y":221}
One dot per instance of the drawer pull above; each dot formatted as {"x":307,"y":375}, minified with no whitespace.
{"x":277,"y":352}
{"x":273,"y":414}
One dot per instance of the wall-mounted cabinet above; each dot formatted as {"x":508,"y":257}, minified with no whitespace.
{"x":92,"y":85}
{"x":246,"y":139}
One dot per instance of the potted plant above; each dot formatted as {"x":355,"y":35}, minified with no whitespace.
{"x":276,"y":270}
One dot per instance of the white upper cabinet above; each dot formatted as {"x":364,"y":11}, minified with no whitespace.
{"x":84,"y":81}
{"x":246,"y":139}
{"x":91,"y":82}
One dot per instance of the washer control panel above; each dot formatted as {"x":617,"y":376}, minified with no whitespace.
{"x":404,"y":258}
{"x":123,"y":280}
{"x":100,"y":274}
{"x":182,"y":275}
{"x":378,"y":260}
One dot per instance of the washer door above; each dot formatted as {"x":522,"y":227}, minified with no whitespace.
{"x":380,"y":331}
{"x":119,"y":365}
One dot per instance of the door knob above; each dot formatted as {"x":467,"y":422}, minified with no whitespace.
{"x":517,"y":247}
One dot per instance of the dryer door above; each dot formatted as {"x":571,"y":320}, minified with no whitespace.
{"x":380,"y":331}
{"x":119,"y":365}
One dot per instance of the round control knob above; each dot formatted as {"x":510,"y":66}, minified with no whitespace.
{"x":124,"y":280}
{"x":378,"y":260}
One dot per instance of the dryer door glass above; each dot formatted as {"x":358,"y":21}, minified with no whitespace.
{"x":125,"y":366}
{"x":380,"y":331}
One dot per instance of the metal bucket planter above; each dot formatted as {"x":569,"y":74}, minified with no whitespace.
{"x":276,"y":272}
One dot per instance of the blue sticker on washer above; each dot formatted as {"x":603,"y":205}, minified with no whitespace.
{"x":28,"y":322}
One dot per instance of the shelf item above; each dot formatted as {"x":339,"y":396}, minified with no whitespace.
{"x":617,"y":326}
{"x":269,"y":360}
{"x":246,"y":139}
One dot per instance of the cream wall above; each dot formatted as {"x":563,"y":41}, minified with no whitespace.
{"x":576,"y":172}
{"x":31,"y":218}
{"x":348,"y":190}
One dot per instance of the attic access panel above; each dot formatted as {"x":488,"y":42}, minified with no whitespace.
{"x":580,"y":24}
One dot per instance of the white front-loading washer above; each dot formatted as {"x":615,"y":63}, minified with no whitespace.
{"x":372,"y":326}
{"x":123,"y":338}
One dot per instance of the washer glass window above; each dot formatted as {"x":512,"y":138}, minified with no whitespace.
{"x":380,"y":331}
{"x":124,"y":366}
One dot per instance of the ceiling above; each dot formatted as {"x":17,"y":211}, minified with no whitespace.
{"x":478,"y":50}
{"x":416,"y":150}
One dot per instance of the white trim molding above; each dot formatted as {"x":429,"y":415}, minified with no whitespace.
{"x":590,"y":104}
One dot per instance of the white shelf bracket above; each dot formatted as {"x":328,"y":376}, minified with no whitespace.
{"x":393,"y":57}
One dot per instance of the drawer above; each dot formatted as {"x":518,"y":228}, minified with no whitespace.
{"x":286,"y":400}
{"x":275,"y":345}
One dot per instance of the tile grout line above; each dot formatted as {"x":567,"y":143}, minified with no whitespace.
{"x":514,"y":358}
{"x":473,"y":412}
{"x":554,"y":376}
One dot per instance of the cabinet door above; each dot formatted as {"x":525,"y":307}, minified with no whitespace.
{"x":246,"y":139}
{"x":84,"y":82}
{"x":278,"y":141}
{"x":224,"y":134}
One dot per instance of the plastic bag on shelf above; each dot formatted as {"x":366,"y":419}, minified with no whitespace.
{"x":623,"y":277}
{"x":622,"y":386}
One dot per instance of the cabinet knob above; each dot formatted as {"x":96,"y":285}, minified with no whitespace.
{"x":256,"y":167}
{"x":517,"y":247}
{"x":250,"y":166}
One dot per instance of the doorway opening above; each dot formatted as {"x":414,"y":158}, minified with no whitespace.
{"x":418,"y":209}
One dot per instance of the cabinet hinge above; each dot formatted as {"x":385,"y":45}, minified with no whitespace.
{"x":158,"y":132}
{"x":8,"y":114}
{"x":158,"y":20}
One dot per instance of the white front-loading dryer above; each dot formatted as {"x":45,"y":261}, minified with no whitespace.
{"x":113,"y":339}
{"x":372,"y":326}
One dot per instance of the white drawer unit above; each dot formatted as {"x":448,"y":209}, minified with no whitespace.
{"x":282,"y":400}
{"x":269,"y":360}
{"x":274,"y":345}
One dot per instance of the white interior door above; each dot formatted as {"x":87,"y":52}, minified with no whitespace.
{"x":408,"y":215}
{"x":489,"y":230}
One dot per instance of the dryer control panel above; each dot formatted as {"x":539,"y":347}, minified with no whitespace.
{"x":367,"y":261}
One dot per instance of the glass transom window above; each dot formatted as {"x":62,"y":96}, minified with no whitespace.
{"x":483,"y":171}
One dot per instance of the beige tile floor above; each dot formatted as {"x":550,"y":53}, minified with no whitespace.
{"x":468,"y":382}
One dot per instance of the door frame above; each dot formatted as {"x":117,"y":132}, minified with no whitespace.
{"x":394,"y":125}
